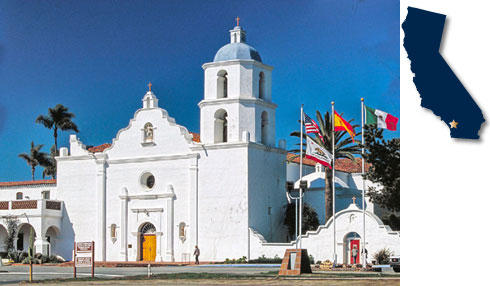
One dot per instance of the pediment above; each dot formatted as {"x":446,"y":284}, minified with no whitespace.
{"x":151,"y":132}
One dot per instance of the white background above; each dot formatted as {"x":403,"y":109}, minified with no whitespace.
{"x":445,"y":182}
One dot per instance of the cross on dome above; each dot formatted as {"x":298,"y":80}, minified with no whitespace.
{"x":237,"y":21}
{"x":149,"y":86}
{"x":354,"y":200}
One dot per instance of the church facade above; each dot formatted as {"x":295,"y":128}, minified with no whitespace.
{"x":158,"y":190}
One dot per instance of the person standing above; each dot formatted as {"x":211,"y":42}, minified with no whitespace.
{"x":365,"y":254}
{"x":354,"y":254}
{"x":197,"y":252}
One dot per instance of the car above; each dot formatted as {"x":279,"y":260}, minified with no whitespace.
{"x":395,"y":263}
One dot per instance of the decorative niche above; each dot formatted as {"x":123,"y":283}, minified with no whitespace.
{"x":148,"y":135}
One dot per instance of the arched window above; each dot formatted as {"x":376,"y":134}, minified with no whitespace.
{"x":19,"y":196}
{"x":261,"y":85}
{"x":222,"y":84}
{"x":263,"y":129}
{"x":220,"y":126}
{"x":148,"y":228}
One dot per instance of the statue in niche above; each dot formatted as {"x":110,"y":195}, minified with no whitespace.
{"x":113,"y":233}
{"x":148,"y":132}
{"x":182,"y":231}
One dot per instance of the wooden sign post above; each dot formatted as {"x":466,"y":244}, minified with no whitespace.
{"x":83,"y":256}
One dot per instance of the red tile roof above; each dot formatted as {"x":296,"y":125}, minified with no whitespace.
{"x":196,"y":137}
{"x":28,"y":183}
{"x":342,"y":165}
{"x":100,"y":148}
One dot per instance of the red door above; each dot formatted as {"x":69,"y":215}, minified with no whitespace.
{"x":354,"y":244}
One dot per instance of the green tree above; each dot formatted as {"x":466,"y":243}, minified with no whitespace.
{"x":310,"y":219}
{"x":58,"y":118}
{"x":35,"y":157}
{"x":344,"y":148}
{"x":384,"y":158}
{"x":12,"y":223}
{"x":50,"y":164}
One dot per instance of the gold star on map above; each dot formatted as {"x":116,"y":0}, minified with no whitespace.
{"x":454,"y":124}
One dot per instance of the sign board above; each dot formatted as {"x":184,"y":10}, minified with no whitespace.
{"x":84,"y":247}
{"x":83,"y":261}
{"x":83,"y":256}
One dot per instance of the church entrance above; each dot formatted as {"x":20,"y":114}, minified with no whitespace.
{"x":148,"y":242}
{"x":352,"y":248}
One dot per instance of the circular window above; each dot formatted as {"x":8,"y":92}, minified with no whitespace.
{"x":148,"y":180}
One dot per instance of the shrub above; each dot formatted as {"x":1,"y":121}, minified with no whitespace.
{"x":53,"y":259}
{"x":241,"y":260}
{"x":262,"y":259}
{"x":22,"y":257}
{"x":266,"y":260}
{"x":382,"y":256}
{"x":17,"y":256}
{"x":312,"y":259}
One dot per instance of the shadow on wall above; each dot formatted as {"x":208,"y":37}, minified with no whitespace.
{"x":67,"y":237}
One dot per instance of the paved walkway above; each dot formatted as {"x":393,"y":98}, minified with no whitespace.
{"x":16,"y":274}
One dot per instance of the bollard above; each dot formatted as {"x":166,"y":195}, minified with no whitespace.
{"x":149,"y":270}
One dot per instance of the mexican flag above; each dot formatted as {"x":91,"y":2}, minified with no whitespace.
{"x":381,"y":119}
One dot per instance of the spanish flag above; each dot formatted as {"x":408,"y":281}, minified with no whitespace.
{"x":342,"y":125}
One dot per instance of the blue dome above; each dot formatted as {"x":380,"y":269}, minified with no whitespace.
{"x":237,"y":51}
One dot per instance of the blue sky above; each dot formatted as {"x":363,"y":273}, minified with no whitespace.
{"x":96,"y":58}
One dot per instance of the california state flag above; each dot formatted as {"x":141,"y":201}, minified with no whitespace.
{"x":381,"y":119}
{"x":317,"y":153}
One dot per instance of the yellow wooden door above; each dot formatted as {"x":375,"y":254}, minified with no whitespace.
{"x":149,"y":247}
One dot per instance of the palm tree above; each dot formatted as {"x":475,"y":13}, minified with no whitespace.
{"x":50,"y":164}
{"x":58,"y":118}
{"x":344,"y":148}
{"x":35,"y":157}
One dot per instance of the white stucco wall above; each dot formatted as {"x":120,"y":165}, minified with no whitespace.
{"x":223,"y":201}
{"x":267,"y":197}
{"x":76,"y":187}
{"x":29,"y":192}
{"x":319,"y":243}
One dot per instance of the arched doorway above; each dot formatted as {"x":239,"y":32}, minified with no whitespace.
{"x":23,"y":236}
{"x":147,"y":242}
{"x":52,"y":234}
{"x":3,"y":239}
{"x":352,"y":244}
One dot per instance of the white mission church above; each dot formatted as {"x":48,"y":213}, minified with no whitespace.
{"x":158,"y":190}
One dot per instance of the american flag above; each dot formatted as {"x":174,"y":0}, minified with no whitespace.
{"x":311,"y":126}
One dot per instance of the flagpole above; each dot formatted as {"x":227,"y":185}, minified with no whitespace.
{"x":363,"y":251}
{"x":300,"y":178}
{"x":333,"y":187}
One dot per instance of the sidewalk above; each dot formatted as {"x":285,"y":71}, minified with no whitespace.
{"x":122,"y":264}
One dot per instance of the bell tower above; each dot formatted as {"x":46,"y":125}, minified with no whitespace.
{"x":237,"y":104}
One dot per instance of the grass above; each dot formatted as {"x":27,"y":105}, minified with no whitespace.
{"x":221,"y":276}
{"x":169,"y":276}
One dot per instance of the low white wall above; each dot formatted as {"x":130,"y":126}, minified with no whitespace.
{"x":319,"y":243}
